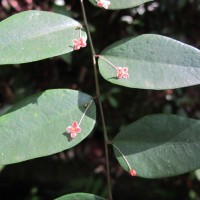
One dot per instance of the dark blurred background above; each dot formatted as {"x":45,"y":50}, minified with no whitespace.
{"x":82,"y":169}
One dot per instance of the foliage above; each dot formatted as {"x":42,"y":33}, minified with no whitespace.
{"x":39,"y":122}
{"x":153,"y":61}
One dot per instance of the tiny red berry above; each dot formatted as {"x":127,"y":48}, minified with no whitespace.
{"x":103,"y":3}
{"x":132,"y":172}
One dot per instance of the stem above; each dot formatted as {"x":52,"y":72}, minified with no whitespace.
{"x":99,"y":56}
{"x":99,"y":102}
{"x":85,"y":112}
{"x":122,"y":156}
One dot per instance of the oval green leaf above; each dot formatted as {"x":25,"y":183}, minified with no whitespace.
{"x":36,"y":35}
{"x":122,"y":4}
{"x":160,"y":146}
{"x":80,"y":196}
{"x":154,"y":62}
{"x":36,"y":126}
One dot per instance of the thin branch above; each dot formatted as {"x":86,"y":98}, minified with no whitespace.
{"x":122,"y":155}
{"x":99,"y":56}
{"x":98,"y":98}
{"x":85,"y":112}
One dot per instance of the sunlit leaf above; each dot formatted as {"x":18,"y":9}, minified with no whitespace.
{"x":122,"y":4}
{"x":36,"y":35}
{"x":36,"y":126}
{"x":153,"y":61}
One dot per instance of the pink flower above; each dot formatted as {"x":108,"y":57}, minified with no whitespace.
{"x":103,"y":3}
{"x":74,"y":129}
{"x":78,"y":43}
{"x":132,"y":172}
{"x":122,"y":72}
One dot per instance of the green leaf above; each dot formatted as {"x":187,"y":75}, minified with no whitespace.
{"x":36,"y":126}
{"x":80,"y":196}
{"x":67,"y":58}
{"x":160,"y":146}
{"x":122,"y":4}
{"x":36,"y":35}
{"x":62,"y":10}
{"x":154,"y":62}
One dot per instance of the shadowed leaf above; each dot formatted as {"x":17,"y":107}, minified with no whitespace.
{"x":160,"y":146}
{"x":80,"y":196}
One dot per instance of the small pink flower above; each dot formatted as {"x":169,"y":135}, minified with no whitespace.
{"x":132,"y":172}
{"x":103,"y":3}
{"x":78,"y":43}
{"x":74,"y":129}
{"x":122,"y":72}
